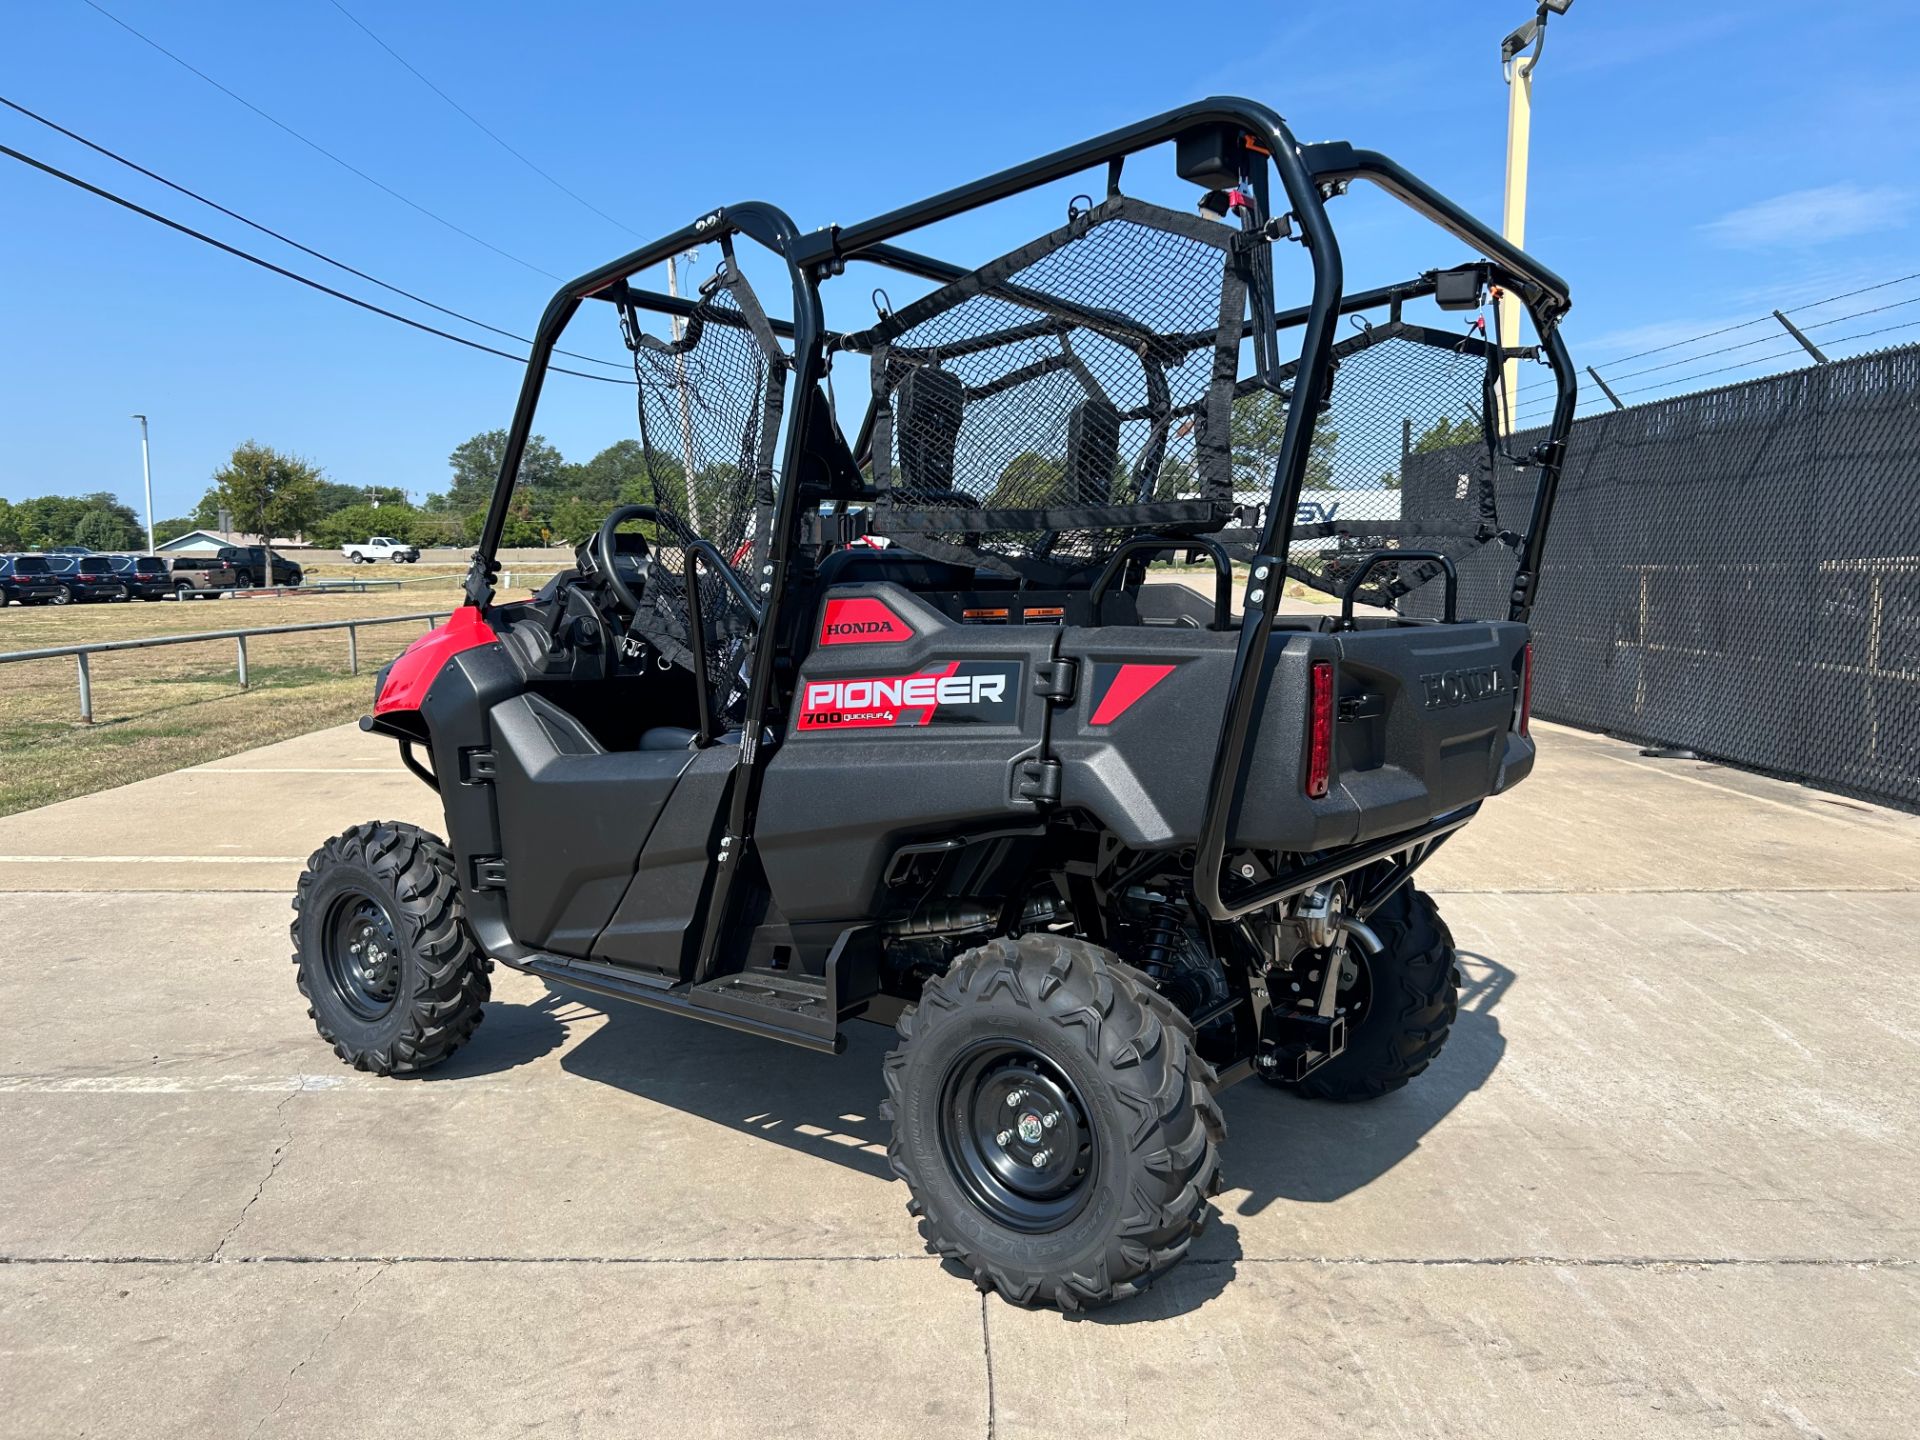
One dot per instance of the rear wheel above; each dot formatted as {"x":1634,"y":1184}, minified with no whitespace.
{"x":1400,"y":1004}
{"x":392,"y":974}
{"x":1059,"y":1137}
{"x":63,"y":595}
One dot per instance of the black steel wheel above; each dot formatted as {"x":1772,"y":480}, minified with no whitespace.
{"x":361,"y":954}
{"x":390,"y":970}
{"x":1059,"y":1136}
{"x":1016,"y":1135}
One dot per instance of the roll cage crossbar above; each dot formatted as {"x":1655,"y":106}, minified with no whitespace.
{"x":1308,"y":175}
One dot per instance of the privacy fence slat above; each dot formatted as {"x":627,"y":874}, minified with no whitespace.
{"x":1737,"y":573}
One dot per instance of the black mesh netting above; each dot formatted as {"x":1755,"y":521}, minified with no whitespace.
{"x":1065,"y":395}
{"x":1400,"y":460}
{"x":709,"y":412}
{"x":1737,"y":573}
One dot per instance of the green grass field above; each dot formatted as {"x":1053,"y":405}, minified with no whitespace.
{"x":158,"y":710}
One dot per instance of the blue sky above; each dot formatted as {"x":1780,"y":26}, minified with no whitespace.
{"x":1693,"y":166}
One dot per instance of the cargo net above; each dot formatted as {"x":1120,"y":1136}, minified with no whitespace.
{"x":1034,"y":413}
{"x":709,"y":405}
{"x":1400,"y":461}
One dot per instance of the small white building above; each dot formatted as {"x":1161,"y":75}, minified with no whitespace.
{"x":197,"y":542}
{"x":206,"y":542}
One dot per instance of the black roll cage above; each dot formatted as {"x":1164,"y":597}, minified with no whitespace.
{"x":1309,"y":174}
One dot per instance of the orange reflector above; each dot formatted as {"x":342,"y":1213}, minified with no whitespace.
{"x":1320,"y":731}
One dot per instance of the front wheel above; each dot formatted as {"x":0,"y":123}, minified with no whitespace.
{"x":391,"y":972}
{"x":1060,"y":1139}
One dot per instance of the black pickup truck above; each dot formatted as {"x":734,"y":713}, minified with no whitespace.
{"x":231,"y":567}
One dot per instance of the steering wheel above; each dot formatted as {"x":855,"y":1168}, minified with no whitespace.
{"x":606,"y":558}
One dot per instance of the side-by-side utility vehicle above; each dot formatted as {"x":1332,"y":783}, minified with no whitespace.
{"x":920,"y":726}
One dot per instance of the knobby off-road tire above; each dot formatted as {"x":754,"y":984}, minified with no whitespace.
{"x":1140,"y":1114}
{"x":392,"y":890}
{"x":1413,"y":987}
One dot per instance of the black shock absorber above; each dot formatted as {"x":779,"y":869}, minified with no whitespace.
{"x":1161,"y":941}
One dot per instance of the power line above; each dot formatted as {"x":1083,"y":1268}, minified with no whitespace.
{"x":285,"y":273}
{"x":474,"y":121}
{"x":284,"y":239}
{"x":316,"y":145}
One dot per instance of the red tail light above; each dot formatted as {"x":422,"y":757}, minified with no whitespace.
{"x":1526,"y":691}
{"x":1320,"y":730}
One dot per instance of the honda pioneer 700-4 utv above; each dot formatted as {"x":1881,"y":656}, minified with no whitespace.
{"x":912,"y":730}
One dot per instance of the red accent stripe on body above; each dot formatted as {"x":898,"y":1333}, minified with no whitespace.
{"x":1129,"y":685}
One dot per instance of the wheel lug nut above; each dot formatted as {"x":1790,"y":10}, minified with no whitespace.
{"x":1051,"y":1119}
{"x":1014,"y":1097}
{"x":1041,"y":1157}
{"x":1003,"y":1137}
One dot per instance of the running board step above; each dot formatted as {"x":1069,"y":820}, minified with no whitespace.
{"x":799,"y":1002}
{"x":789,"y":1010}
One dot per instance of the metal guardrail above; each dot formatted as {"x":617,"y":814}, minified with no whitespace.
{"x":248,"y":592}
{"x":83,"y":653}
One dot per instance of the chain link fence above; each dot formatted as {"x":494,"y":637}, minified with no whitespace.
{"x":1737,"y":573}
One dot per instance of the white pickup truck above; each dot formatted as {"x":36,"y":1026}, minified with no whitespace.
{"x":380,"y":547}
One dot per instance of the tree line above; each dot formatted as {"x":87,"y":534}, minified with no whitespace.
{"x":271,"y":492}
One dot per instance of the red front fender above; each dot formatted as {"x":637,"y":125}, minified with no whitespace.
{"x":410,"y":677}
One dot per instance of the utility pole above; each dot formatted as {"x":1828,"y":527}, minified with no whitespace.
{"x":1520,"y":54}
{"x":146,"y":469}
{"x":680,"y":388}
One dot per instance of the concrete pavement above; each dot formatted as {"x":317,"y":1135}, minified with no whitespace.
{"x":1660,"y":1183}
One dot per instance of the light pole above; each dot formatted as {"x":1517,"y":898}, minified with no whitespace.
{"x":1519,"y":55}
{"x":146,"y":467}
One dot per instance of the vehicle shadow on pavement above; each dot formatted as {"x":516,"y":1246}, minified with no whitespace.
{"x":820,"y":1105}
{"x":510,"y":1035}
{"x":1281,"y":1147}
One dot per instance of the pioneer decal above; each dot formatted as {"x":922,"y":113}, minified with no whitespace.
{"x":1117,"y":687}
{"x":960,"y":692}
{"x":861,"y":620}
{"x":1463,"y":687}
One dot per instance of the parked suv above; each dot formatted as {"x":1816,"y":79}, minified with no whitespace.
{"x":146,"y":576}
{"x":28,"y":579}
{"x":86,"y":577}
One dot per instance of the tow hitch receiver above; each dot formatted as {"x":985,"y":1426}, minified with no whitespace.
{"x":1299,"y":1043}
{"x":1304,"y":1026}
